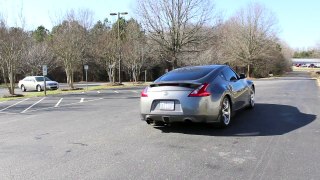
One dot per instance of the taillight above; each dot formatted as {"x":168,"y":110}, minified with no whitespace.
{"x":144,"y":93}
{"x":200,"y":91}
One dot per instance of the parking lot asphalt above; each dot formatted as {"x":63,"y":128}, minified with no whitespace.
{"x":100,"y":136}
{"x":29,"y":105}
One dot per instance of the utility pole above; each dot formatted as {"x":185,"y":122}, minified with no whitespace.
{"x":119,"y":49}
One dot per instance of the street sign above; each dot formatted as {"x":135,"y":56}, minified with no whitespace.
{"x":86,"y":67}
{"x":44,"y":70}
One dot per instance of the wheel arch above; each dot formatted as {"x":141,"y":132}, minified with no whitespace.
{"x":230,"y":100}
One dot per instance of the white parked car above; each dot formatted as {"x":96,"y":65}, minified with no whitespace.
{"x":37,"y":83}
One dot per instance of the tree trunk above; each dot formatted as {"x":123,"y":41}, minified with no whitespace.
{"x":69,"y":74}
{"x":174,"y":62}
{"x":11,"y":79}
{"x":248,"y":73}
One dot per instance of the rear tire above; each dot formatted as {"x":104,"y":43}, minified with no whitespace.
{"x":39,"y":88}
{"x":23,"y":89}
{"x":225,"y":113}
{"x":251,"y":98}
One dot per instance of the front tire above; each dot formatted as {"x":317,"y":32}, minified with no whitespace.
{"x":39,"y":88}
{"x":251,"y":98}
{"x":225,"y":113}
{"x":23,"y":89}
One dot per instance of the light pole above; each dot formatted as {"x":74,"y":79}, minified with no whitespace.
{"x":119,"y":51}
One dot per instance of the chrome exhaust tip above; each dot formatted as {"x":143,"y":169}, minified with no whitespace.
{"x":149,"y":121}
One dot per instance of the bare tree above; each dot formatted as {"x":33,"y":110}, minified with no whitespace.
{"x":69,"y":44}
{"x":250,"y":35}
{"x":134,"y":50}
{"x":104,"y":49}
{"x":37,"y":55}
{"x":176,"y":25}
{"x":13,"y":45}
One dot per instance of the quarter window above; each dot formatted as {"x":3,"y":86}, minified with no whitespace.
{"x":229,"y":74}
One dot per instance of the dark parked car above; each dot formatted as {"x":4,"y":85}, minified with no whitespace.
{"x":311,"y":66}
{"x":196,"y":94}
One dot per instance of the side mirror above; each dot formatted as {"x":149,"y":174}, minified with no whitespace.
{"x":242,"y":76}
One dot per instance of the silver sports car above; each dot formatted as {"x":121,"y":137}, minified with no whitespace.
{"x":208,"y":94}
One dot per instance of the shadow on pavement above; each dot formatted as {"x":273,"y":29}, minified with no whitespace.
{"x":263,"y":120}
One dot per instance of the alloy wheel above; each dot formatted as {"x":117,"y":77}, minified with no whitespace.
{"x":38,"y":88}
{"x":226,"y":112}
{"x":252,"y":96}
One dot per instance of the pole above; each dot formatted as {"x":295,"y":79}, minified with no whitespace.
{"x":44,"y":73}
{"x":119,"y":55}
{"x":45,"y":85}
{"x":119,"y":49}
{"x":145,"y":76}
{"x":87,"y":79}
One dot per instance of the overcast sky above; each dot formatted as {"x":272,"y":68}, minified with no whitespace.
{"x":298,"y":20}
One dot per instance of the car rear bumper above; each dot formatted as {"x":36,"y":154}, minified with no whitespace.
{"x":179,"y":118}
{"x":186,"y":109}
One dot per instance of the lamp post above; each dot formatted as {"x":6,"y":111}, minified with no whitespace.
{"x":119,"y":51}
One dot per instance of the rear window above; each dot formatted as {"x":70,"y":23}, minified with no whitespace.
{"x":187,"y":73}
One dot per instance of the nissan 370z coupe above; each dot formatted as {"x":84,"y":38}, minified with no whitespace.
{"x":208,"y":94}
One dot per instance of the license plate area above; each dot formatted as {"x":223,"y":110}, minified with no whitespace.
{"x":167,"y":105}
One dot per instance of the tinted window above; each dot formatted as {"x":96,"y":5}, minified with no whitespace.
{"x":188,"y":73}
{"x":41,"y":79}
{"x":229,"y":74}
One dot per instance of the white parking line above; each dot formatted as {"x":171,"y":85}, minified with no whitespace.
{"x":64,"y":105}
{"x":58,"y":102}
{"x":32,"y":105}
{"x":134,"y":91}
{"x":81,"y":100}
{"x":98,"y":92}
{"x":116,"y":91}
{"x":13,"y":105}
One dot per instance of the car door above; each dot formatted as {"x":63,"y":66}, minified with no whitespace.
{"x":237,"y":88}
{"x":27,"y":83}
{"x":31,"y":83}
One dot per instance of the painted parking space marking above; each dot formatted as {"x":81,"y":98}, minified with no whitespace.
{"x":65,"y":105}
{"x":25,"y":106}
{"x":14,"y":104}
{"x":58,"y":103}
{"x":32,"y":105}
